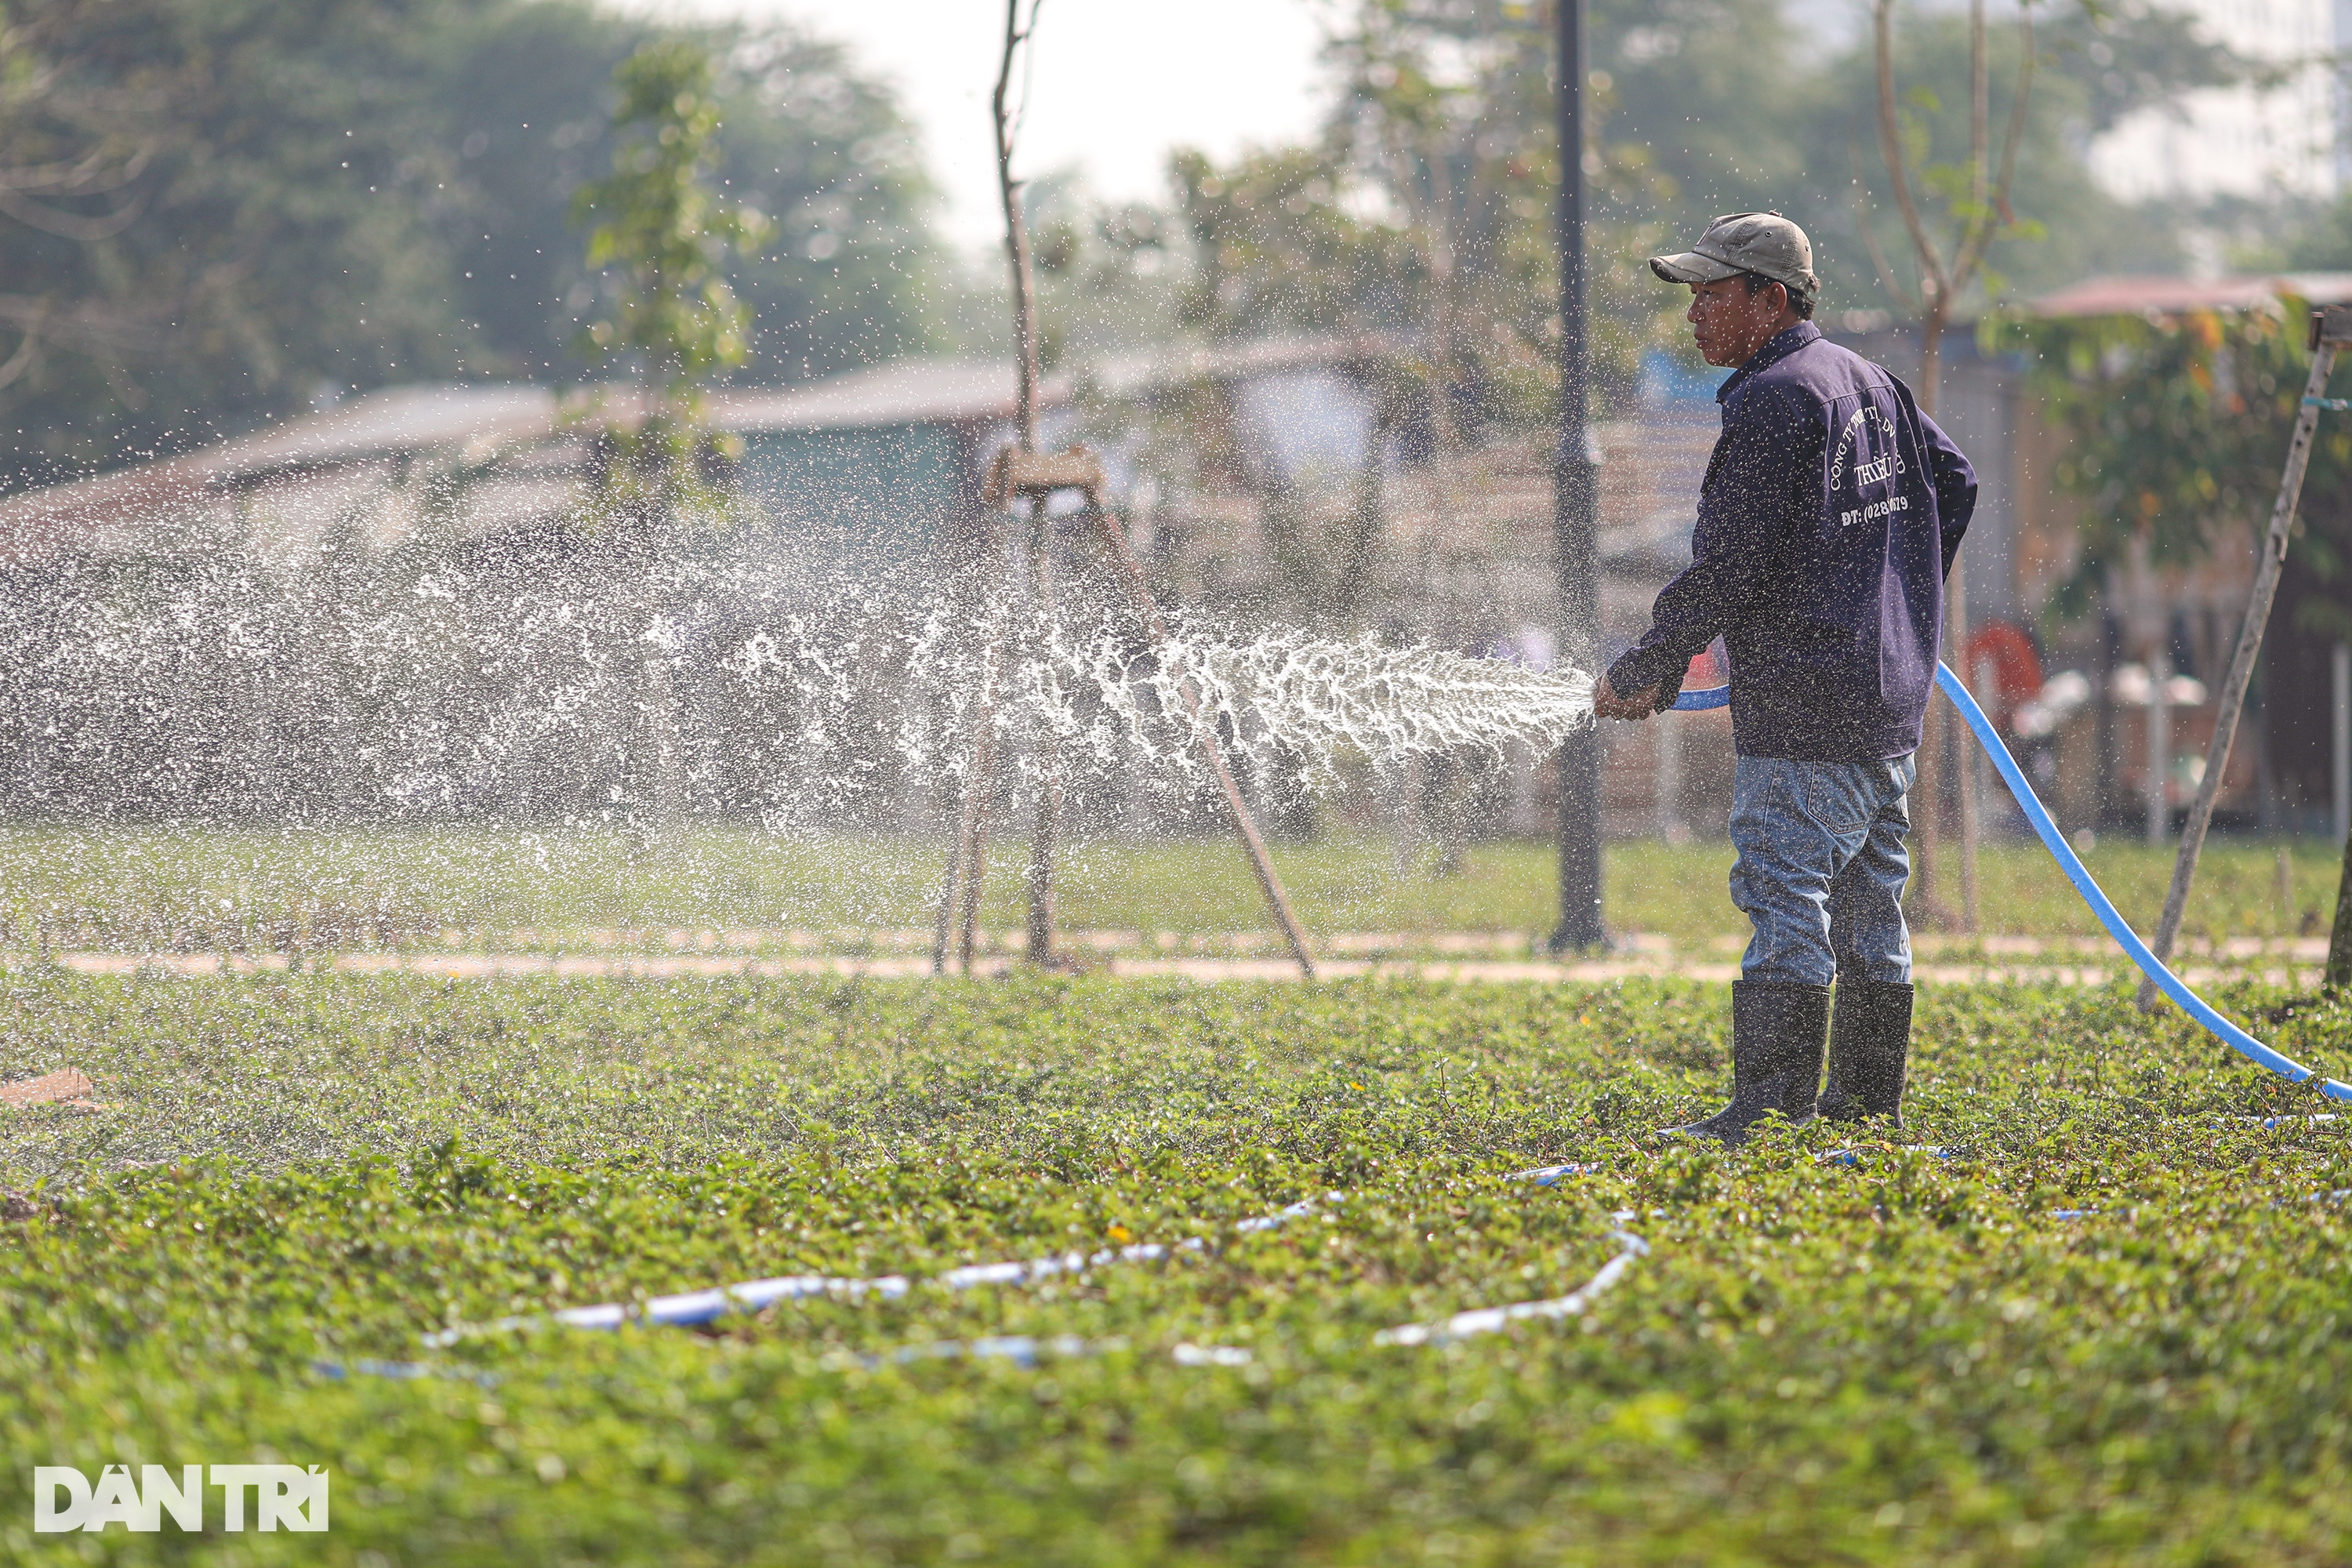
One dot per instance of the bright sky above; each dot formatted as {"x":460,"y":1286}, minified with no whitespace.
{"x":1118,"y":83}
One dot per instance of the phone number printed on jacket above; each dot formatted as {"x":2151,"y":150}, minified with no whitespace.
{"x":1867,"y":421}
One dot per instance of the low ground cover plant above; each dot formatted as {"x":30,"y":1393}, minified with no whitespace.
{"x":2109,"y":1327}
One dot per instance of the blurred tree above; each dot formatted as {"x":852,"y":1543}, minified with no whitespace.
{"x":1425,"y":210}
{"x":1789,"y":124}
{"x":826,"y":152}
{"x":1446,"y":119}
{"x":1110,"y":278}
{"x":1747,"y":63}
{"x":660,"y":240}
{"x":2176,"y":428}
{"x":244,"y":206}
{"x":265,"y":228}
{"x":802,"y":137}
{"x":1972,"y":190}
{"x":658,"y":233}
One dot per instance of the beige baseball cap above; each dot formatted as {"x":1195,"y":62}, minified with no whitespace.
{"x":1763,"y":243}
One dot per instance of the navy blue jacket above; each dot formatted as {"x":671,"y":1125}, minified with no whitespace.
{"x":1829,"y":516}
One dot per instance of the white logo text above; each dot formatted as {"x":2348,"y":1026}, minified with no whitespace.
{"x":284,"y":1496}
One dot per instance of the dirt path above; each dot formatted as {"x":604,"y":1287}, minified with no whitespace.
{"x":2015,"y":961}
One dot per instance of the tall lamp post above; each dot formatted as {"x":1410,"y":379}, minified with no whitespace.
{"x":1574,"y":494}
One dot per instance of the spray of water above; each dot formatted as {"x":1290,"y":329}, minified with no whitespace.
{"x":1287,"y":708}
{"x":582,"y":692}
{"x":1318,"y":698}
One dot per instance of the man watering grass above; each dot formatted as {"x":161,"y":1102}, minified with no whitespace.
{"x":1829,"y":516}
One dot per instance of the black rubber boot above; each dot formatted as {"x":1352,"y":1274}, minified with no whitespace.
{"x":1869,"y":1043}
{"x":1777,"y":1028}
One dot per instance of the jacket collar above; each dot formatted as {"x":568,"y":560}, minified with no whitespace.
{"x":1779,"y":347}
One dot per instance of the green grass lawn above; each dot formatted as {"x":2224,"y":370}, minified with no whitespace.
{"x":1904,"y":1360}
{"x":142,"y":890}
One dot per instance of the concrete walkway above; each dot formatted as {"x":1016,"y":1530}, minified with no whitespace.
{"x":1469,"y":956}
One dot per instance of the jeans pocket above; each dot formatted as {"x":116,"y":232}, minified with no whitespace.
{"x":1901,"y":775}
{"x":1833,"y":797}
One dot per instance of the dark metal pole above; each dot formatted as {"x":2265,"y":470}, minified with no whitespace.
{"x":1574,"y":493}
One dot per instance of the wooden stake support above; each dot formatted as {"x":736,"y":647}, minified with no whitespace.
{"x":966,"y":870}
{"x":968,"y":863}
{"x":1037,"y":476}
{"x":2331,"y":329}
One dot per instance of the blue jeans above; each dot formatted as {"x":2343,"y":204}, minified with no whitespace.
{"x":1822,"y":867}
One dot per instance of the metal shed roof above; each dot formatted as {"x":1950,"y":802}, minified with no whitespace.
{"x":2159,"y":296}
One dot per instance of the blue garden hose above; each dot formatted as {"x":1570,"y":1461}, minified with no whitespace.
{"x":1701,"y":700}
{"x":2171,"y":985}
